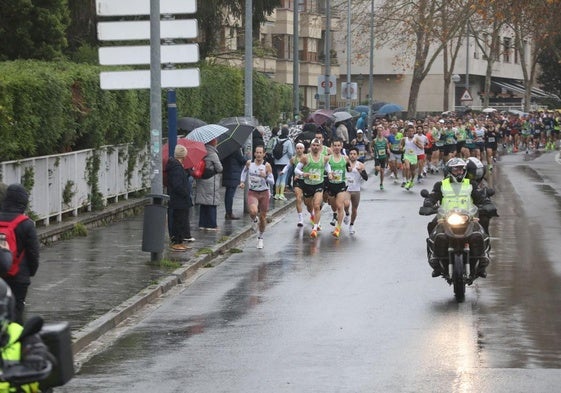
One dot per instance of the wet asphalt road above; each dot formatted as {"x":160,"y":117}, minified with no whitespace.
{"x":361,"y":314}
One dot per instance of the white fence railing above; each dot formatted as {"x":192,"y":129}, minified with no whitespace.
{"x":63,"y":183}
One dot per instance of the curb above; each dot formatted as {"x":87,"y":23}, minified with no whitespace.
{"x":110,"y":320}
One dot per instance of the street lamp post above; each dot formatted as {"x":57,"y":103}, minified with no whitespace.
{"x":359,"y":80}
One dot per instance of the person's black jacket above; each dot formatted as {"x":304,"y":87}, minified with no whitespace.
{"x":179,"y":186}
{"x":15,"y":203}
{"x":232,"y":169}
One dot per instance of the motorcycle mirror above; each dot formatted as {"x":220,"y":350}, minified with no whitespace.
{"x":490,"y":192}
{"x":32,"y":326}
{"x":424,"y":193}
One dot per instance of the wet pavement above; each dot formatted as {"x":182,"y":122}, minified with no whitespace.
{"x":95,"y":282}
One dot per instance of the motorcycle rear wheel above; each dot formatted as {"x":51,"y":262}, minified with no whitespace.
{"x":458,"y":278}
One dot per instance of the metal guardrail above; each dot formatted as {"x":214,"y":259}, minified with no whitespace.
{"x":64,"y":183}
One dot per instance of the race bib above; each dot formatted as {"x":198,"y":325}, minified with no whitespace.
{"x":337,"y":176}
{"x":491,"y":139}
{"x":382,"y":152}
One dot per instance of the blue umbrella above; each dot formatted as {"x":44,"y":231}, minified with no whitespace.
{"x":375,"y":106}
{"x":206,"y":133}
{"x":388,"y":109}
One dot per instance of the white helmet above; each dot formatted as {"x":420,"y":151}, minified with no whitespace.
{"x":453,"y":169}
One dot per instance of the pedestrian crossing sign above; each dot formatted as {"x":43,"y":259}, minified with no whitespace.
{"x":466,"y":96}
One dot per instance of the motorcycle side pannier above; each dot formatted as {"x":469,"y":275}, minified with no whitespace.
{"x":57,"y":338}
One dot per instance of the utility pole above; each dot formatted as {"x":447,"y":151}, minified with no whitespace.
{"x":296,"y":63}
{"x":371,"y":71}
{"x":248,"y":58}
{"x":327,"y":53}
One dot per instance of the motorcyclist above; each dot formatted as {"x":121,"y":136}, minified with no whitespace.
{"x":29,"y":351}
{"x":454,"y":191}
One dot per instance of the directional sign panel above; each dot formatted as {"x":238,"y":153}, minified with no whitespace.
{"x":142,"y":7}
{"x":140,"y":79}
{"x":140,"y":54}
{"x":140,"y":30}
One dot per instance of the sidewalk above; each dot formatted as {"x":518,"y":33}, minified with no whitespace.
{"x":96,"y":282}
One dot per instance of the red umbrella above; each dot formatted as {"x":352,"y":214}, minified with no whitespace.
{"x":196,"y":151}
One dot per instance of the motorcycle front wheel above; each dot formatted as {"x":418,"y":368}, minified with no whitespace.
{"x":458,"y":278}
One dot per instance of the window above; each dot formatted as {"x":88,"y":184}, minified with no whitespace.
{"x":507,"y":48}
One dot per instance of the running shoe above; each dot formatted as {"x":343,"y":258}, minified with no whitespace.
{"x":375,"y":172}
{"x":276,"y":196}
{"x":333,"y":221}
{"x":346,"y":219}
{"x":314,"y":234}
{"x":300,"y":223}
{"x":259,"y":243}
{"x":336,"y":232}
{"x":282,"y":197}
{"x":381,"y":186}
{"x":403,"y":184}
{"x":189,"y":239}
{"x":352,"y":229}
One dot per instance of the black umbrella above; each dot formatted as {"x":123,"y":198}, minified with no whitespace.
{"x":305,"y":137}
{"x":239,"y":130}
{"x":188,"y":124}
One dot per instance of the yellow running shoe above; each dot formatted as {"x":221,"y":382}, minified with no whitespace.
{"x":336,"y":232}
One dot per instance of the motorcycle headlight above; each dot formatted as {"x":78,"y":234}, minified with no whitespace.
{"x":455,"y":219}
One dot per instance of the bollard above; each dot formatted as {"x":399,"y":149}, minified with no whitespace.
{"x":154,"y":226}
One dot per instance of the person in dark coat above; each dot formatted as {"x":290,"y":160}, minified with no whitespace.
{"x":257,"y":138}
{"x":179,"y":190}
{"x":15,"y":202}
{"x":231,"y":171}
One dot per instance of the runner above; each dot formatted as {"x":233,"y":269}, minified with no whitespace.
{"x":260,"y":181}
{"x":297,"y":181}
{"x":311,"y":168}
{"x":394,"y":140}
{"x":381,"y":153}
{"x":356,"y":174}
{"x":421,"y":153}
{"x":337,"y":185}
{"x":409,"y":145}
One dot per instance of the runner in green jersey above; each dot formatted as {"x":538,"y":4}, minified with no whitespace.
{"x":337,"y":185}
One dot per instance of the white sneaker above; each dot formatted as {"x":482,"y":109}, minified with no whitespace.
{"x":259,"y":243}
{"x":352,"y":229}
{"x":300,"y":222}
{"x":255,"y":225}
{"x":346,"y":219}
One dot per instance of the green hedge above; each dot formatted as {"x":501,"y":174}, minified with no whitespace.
{"x":54,"y":107}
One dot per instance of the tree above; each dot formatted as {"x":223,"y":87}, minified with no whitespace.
{"x":420,"y":30}
{"x":214,"y":14}
{"x":33,"y":29}
{"x":550,"y":63}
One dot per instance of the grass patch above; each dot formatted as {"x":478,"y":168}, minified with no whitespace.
{"x":235,"y":250}
{"x":169,"y":264}
{"x":208,"y":265}
{"x":204,"y":250}
{"x":78,"y":230}
{"x":223,"y":239}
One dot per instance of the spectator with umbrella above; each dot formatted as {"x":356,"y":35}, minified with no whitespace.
{"x":179,"y":190}
{"x":207,"y":194}
{"x":232,"y":171}
{"x":281,"y":162}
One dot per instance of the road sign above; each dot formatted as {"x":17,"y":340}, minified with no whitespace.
{"x":466,"y":96}
{"x":322,"y":85}
{"x":140,"y":54}
{"x":140,"y":79}
{"x":349,"y":91}
{"x":140,"y":30}
{"x":142,"y":7}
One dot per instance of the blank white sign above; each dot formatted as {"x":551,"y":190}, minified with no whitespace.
{"x":140,"y":79}
{"x":140,"y":54}
{"x":140,"y":30}
{"x":142,"y":7}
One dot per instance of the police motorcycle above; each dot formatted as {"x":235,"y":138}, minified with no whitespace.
{"x":458,"y":245}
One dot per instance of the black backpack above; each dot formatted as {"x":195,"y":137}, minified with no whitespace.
{"x":278,"y":150}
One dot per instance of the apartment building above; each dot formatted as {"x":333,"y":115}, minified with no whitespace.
{"x":391,"y":81}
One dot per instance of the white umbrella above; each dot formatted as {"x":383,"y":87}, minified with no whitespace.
{"x":489,"y":110}
{"x":342,"y":116}
{"x":206,"y":133}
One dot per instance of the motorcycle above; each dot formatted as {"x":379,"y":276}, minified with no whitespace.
{"x":457,"y":247}
{"x":57,"y":371}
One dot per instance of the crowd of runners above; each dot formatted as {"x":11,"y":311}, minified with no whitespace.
{"x":327,"y":166}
